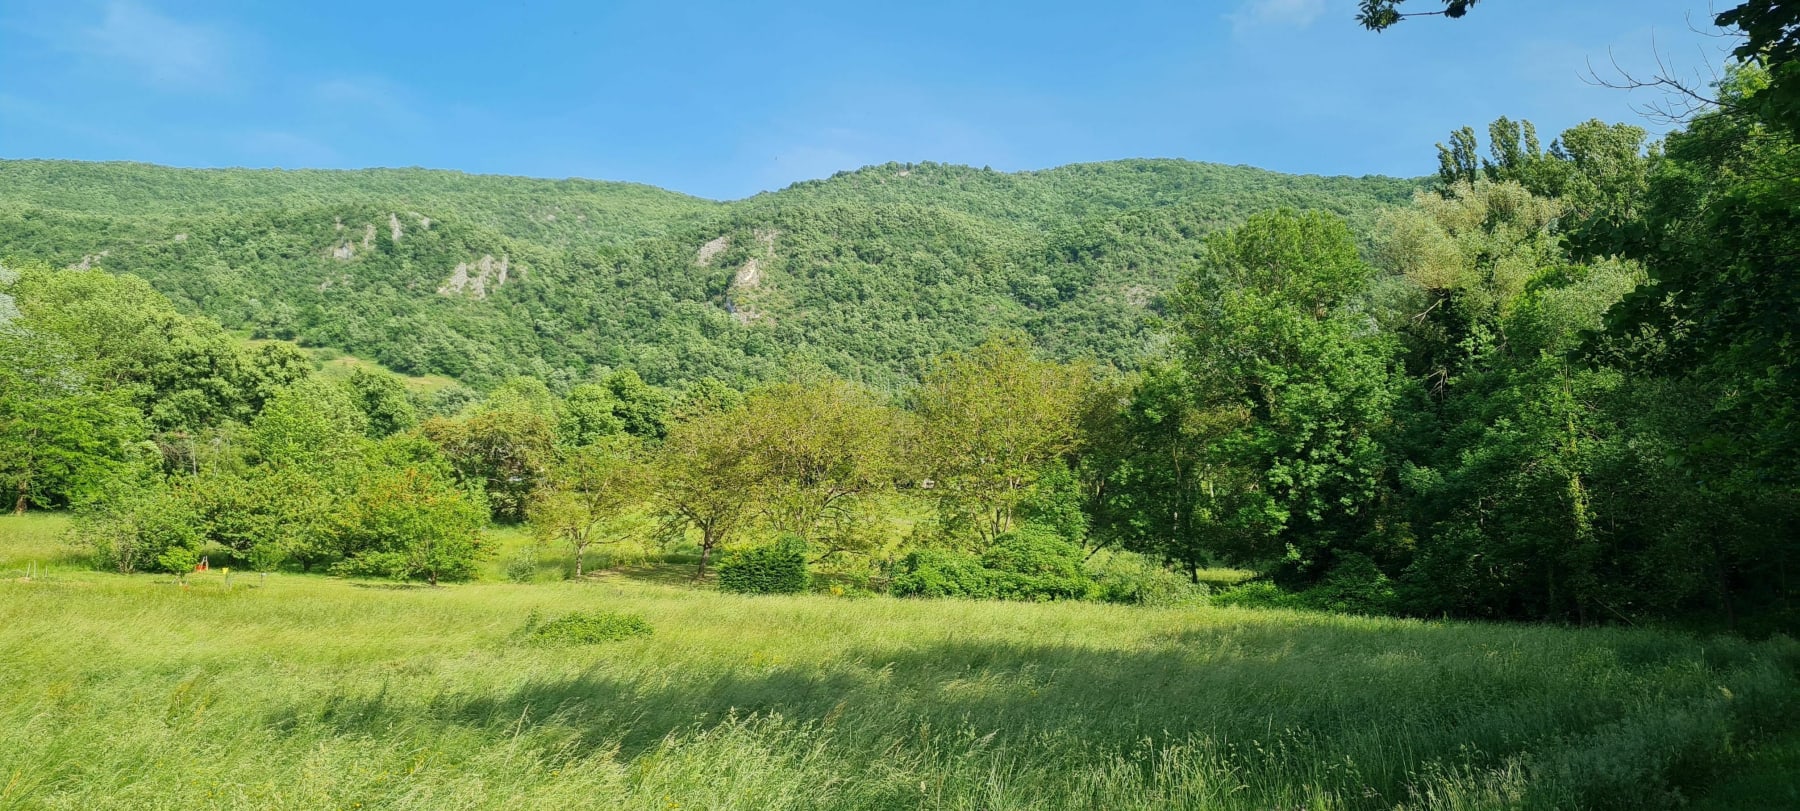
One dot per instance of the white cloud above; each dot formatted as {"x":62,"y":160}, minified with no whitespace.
{"x":158,"y":49}
{"x":1275,"y":13}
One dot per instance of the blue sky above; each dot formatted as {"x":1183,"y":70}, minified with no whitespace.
{"x":724,"y":99}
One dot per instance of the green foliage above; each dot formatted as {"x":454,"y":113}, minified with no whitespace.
{"x":117,"y":332}
{"x":505,"y":448}
{"x":640,"y":408}
{"x":313,"y":425}
{"x":383,"y":401}
{"x":522,"y":568}
{"x":775,"y":568}
{"x":1136,"y":580}
{"x":992,"y":421}
{"x":407,"y":523}
{"x":589,"y":413}
{"x":60,"y":440}
{"x":262,"y":515}
{"x":141,"y":526}
{"x":1034,"y":562}
{"x":706,"y":477}
{"x":942,"y":573}
{"x":1255,"y":594}
{"x":585,"y":628}
{"x":867,"y":274}
{"x":1296,"y":388}
{"x":588,"y":493}
{"x":1031,"y":563}
{"x":821,"y":454}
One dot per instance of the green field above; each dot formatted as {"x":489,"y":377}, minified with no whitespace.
{"x":312,"y":692}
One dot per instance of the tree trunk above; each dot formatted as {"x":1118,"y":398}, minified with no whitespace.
{"x":706,"y":548}
{"x":19,"y":506}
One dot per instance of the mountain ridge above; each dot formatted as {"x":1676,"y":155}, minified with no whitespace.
{"x":865,"y":273}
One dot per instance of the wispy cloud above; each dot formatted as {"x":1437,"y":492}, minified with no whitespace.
{"x":1253,"y":14}
{"x":158,"y":49}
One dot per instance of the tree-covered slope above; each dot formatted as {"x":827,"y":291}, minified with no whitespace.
{"x":558,"y":212}
{"x":865,"y":273}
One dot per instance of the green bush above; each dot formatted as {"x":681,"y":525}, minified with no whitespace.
{"x":1354,"y":586}
{"x":149,"y":528}
{"x":585,"y":628}
{"x":522,"y":568}
{"x":778,"y":568}
{"x":931,"y":573}
{"x":1032,"y":563}
{"x":1134,"y":580}
{"x":1035,"y":562}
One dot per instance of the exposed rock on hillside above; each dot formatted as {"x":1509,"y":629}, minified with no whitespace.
{"x":474,"y":280}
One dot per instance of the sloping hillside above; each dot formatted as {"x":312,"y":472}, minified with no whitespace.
{"x":865,"y":273}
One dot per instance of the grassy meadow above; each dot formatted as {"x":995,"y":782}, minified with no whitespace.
{"x":309,"y":692}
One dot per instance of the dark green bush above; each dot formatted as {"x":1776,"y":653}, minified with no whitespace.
{"x":778,"y":568}
{"x":585,"y":628}
{"x":1034,"y":550}
{"x":1354,"y":586}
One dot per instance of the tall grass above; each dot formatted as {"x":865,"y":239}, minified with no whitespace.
{"x":306,"y":692}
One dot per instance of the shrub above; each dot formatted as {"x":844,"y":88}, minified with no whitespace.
{"x":942,"y":574}
{"x":1031,"y":563}
{"x":522,"y":568}
{"x":1354,"y":586}
{"x":585,"y":628}
{"x":150,"y":528}
{"x":1034,"y":550}
{"x":778,"y":568}
{"x":1134,"y":580}
{"x":1035,"y":562}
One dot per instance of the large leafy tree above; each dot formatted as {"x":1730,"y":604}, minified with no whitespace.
{"x":184,"y":373}
{"x":1156,"y":484}
{"x":590,"y":492}
{"x":825,"y":450}
{"x":707,"y":474}
{"x":383,"y":401}
{"x":992,"y":421}
{"x":314,"y":425}
{"x":1271,"y":334}
{"x":1718,"y":324}
{"x":506,"y":447}
{"x":61,"y":436}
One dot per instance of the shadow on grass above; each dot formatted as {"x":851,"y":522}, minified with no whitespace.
{"x":385,"y":585}
{"x":1272,"y":705}
{"x":666,"y":574}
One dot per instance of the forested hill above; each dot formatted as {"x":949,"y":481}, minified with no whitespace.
{"x":865,"y":274}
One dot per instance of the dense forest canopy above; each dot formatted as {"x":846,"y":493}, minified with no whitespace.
{"x":867,"y":273}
